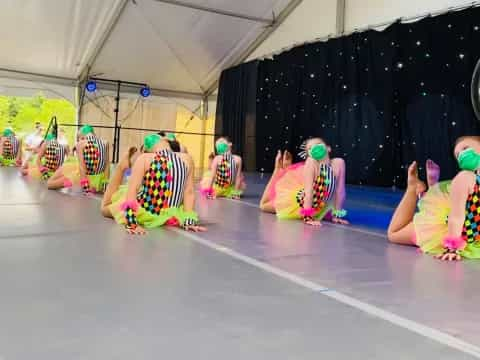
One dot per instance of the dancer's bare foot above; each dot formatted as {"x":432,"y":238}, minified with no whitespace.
{"x":279,"y":161}
{"x":412,"y":179}
{"x":433,"y":173}
{"x":287,"y":159}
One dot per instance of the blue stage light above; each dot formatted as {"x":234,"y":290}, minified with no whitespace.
{"x":145,"y":91}
{"x":91,"y":86}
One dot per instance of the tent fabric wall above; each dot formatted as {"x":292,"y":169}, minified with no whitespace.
{"x":16,"y":87}
{"x":362,"y":13}
{"x":53,"y":37}
{"x":176,"y":115}
{"x":314,"y":19}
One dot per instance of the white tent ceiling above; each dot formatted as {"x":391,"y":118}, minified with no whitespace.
{"x":171,"y":45}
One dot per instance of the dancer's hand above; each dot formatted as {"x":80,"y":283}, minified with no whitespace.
{"x":340,"y":221}
{"x":448,"y":256}
{"x":137,"y":230}
{"x":315,"y":223}
{"x":195,"y":228}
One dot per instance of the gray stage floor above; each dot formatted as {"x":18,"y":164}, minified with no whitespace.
{"x":75,"y":286}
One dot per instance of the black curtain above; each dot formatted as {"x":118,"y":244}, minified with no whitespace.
{"x":380,"y":99}
{"x":236,"y":109}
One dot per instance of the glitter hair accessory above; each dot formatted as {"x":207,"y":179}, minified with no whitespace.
{"x":303,"y":154}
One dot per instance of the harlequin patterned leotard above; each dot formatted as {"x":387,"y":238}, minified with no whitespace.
{"x":94,"y":154}
{"x":226,"y":171}
{"x":323,"y":188}
{"x":164,"y":183}
{"x":471,"y":226}
{"x":11,"y":145}
{"x":54,"y":155}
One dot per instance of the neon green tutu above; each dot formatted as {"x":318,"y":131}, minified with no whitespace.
{"x":285,"y":200}
{"x":227,"y":192}
{"x":71,"y":171}
{"x":35,"y":173}
{"x":431,"y":222}
{"x":7,"y":162}
{"x":145,"y":218}
{"x":98,"y":182}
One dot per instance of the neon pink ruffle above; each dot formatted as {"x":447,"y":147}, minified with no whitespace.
{"x":206,"y":191}
{"x":132,"y":204}
{"x":307,"y":212}
{"x":84,"y":182}
{"x":454,"y":242}
{"x":272,"y":192}
{"x":67,"y":183}
{"x":173,"y":222}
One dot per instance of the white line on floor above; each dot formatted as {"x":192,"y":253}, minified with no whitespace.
{"x":350,"y":228}
{"x":413,"y":326}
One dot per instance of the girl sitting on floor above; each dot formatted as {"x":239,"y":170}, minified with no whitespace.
{"x":308,"y":190}
{"x":159,"y":192}
{"x":448,"y":222}
{"x":50,"y":157}
{"x":225,"y":177}
{"x":92,"y":169}
{"x":10,"y":149}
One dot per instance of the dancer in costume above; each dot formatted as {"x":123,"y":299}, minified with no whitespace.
{"x":225,"y":177}
{"x":159,"y":192}
{"x":91,"y":171}
{"x":309,"y":190}
{"x":50,"y":157}
{"x":447,"y":224}
{"x":10,"y":149}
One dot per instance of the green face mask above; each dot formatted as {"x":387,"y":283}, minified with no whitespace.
{"x":469,"y":160}
{"x":221,"y":148}
{"x":318,"y":152}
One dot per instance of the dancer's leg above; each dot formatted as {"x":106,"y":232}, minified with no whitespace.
{"x":115,"y":182}
{"x":433,"y":173}
{"x":266,"y":203}
{"x":401,"y":229}
{"x":57,"y":180}
{"x":287,"y":159}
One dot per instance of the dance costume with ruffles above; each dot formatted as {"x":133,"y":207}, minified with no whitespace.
{"x":224,"y":182}
{"x":431,"y":222}
{"x":95,"y":158}
{"x":11,"y":147}
{"x":54,"y":157}
{"x":160,"y":198}
{"x":288,"y":193}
